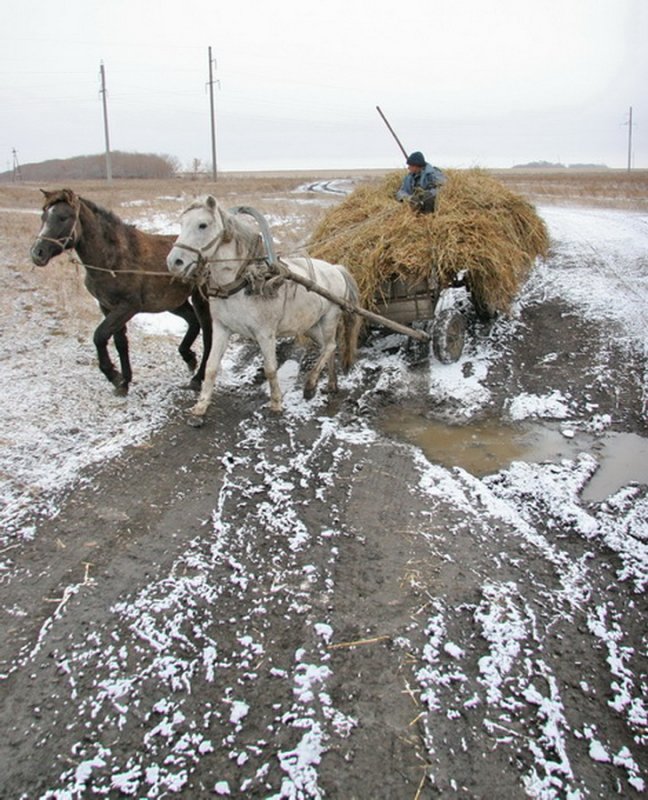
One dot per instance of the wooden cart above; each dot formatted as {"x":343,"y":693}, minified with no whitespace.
{"x":424,"y":305}
{"x":398,"y":305}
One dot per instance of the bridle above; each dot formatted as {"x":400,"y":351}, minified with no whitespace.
{"x":201,"y":273}
{"x":243,"y":278}
{"x":202,"y":253}
{"x":64,"y":242}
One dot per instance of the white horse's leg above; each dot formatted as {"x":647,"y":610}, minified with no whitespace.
{"x":327,"y":356}
{"x":219,"y":344}
{"x":332,"y":375}
{"x":268,"y":345}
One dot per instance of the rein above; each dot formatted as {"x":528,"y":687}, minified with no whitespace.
{"x":116,"y":273}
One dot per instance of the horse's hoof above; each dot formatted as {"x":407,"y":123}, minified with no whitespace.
{"x":119,"y":383}
{"x":309,"y":392}
{"x":195,"y":422}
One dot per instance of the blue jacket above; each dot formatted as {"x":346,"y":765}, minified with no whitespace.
{"x":429,"y":179}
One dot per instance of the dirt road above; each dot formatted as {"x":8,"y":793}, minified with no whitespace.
{"x":304,"y":607}
{"x":338,"y":602}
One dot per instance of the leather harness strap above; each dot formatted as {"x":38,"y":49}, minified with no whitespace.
{"x":243,"y":279}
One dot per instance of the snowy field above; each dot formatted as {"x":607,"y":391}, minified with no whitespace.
{"x":51,"y":434}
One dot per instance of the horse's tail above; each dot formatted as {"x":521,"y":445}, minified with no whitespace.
{"x":351,"y":324}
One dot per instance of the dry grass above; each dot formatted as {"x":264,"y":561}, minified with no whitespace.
{"x":480,"y":226}
{"x":605,"y":188}
{"x":59,"y":286}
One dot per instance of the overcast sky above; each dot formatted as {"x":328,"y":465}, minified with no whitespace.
{"x":488,"y":83}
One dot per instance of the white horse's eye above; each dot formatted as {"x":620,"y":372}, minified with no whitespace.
{"x":202,"y":226}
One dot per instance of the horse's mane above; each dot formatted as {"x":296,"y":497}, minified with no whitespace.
{"x":107,"y":218}
{"x":246,"y":236}
{"x":245,"y":233}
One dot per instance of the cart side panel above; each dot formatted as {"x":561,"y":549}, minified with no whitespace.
{"x":406,"y":303}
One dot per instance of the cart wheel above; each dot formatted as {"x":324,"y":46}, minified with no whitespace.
{"x":448,"y":335}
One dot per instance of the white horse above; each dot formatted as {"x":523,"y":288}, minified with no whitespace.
{"x":254,"y":297}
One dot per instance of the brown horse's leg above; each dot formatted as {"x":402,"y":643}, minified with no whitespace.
{"x":201,"y":307}
{"x":114,"y":324}
{"x":186,"y":312}
{"x":120,"y":339}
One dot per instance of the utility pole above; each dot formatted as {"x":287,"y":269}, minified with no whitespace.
{"x":102,"y":91}
{"x":212,"y":116}
{"x":629,"y":124}
{"x":17,"y":174}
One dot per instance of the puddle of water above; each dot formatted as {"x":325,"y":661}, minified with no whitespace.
{"x":487,"y":446}
{"x":623,"y":458}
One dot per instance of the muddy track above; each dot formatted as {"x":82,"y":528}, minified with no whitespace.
{"x":131,"y":525}
{"x":280,"y":607}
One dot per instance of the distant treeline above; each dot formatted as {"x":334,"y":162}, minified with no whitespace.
{"x":550,"y":165}
{"x":123,"y":165}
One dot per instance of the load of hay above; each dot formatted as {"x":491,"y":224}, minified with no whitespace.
{"x":479,"y":226}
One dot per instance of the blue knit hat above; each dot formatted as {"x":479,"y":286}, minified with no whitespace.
{"x":416,"y":160}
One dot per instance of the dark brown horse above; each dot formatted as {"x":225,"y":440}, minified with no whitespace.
{"x":126,"y":272}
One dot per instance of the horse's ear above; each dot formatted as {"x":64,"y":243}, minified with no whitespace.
{"x":46,"y":193}
{"x":210,"y":202}
{"x":228,"y":228}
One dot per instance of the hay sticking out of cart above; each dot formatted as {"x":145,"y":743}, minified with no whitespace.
{"x":479,"y":226}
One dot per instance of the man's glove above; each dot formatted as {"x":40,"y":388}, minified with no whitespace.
{"x":417,"y":199}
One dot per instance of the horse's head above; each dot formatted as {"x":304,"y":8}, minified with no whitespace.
{"x":204,"y":226}
{"x":60,"y":226}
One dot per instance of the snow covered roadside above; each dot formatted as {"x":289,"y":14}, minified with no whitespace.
{"x":600,"y":264}
{"x":489,"y":665}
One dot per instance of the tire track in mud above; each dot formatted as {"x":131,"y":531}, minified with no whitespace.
{"x":127,"y":523}
{"x":194,"y":653}
{"x":301,"y":607}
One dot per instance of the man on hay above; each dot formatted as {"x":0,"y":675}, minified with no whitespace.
{"x":480,"y":228}
{"x":420,"y":185}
